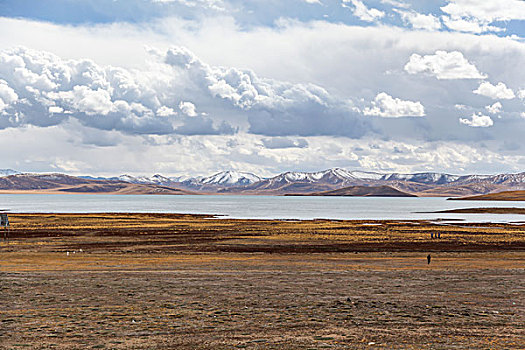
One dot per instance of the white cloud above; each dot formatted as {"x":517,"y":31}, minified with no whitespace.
{"x":499,"y":91}
{"x":55,"y":109}
{"x":188,"y":108}
{"x":137,"y":101}
{"x":419,"y":20}
{"x":165,"y":111}
{"x":396,"y":3}
{"x":356,"y":68}
{"x":495,"y":108}
{"x":101,"y":97}
{"x":274,"y":108}
{"x":386,"y":106}
{"x":443,"y":65}
{"x":477,"y":121}
{"x":469,"y":25}
{"x":476,"y":16}
{"x":362,"y":12}
{"x":487,"y":10}
{"x":7,"y":95}
{"x":521,"y":94}
{"x":89,"y":101}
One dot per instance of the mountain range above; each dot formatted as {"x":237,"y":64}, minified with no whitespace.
{"x":235,"y":182}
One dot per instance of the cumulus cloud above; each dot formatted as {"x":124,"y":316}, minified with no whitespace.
{"x":55,"y":109}
{"x":420,"y":21}
{"x":477,"y":121}
{"x":50,"y":90}
{"x":361,"y":11}
{"x":495,"y":108}
{"x":521,"y":94}
{"x":499,"y":91}
{"x":102,"y":97}
{"x":273,"y":108}
{"x":7,"y":95}
{"x":386,"y":106}
{"x":356,"y":69}
{"x":165,"y":111}
{"x":188,"y":108}
{"x":443,"y":65}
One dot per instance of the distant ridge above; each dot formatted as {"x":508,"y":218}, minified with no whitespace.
{"x":364,"y":191}
{"x":428,"y":184}
{"x":60,"y":183}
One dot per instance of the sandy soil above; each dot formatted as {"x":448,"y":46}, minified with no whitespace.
{"x":159,"y":281}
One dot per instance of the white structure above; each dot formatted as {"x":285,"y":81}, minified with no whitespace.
{"x":4,"y":222}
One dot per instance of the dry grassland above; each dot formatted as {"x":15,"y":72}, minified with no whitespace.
{"x":165,"y":281}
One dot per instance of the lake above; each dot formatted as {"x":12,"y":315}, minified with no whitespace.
{"x":260,"y":207}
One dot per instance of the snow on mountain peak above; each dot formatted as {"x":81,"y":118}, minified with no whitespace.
{"x":331,"y":175}
{"x":230,"y":178}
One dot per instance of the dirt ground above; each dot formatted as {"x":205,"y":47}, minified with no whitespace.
{"x":161,"y":281}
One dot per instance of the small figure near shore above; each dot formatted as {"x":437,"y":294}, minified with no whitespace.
{"x":428,"y":259}
{"x":431,"y":235}
{"x":439,"y":235}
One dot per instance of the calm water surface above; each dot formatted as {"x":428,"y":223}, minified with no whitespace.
{"x":260,"y":207}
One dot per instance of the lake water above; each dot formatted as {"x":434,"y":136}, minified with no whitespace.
{"x":260,"y":207}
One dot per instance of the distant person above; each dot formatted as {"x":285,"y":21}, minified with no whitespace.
{"x":431,"y":234}
{"x":428,"y":259}
{"x":439,"y":235}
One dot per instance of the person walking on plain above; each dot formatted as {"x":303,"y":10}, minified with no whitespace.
{"x":428,"y":259}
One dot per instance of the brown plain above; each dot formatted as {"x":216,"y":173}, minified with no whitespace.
{"x":166,"y":281}
{"x":498,"y":196}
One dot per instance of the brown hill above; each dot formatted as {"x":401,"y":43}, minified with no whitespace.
{"x":59,"y":183}
{"x":499,"y":196}
{"x":364,"y":191}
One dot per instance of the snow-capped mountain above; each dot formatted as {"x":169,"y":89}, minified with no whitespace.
{"x":429,"y":183}
{"x":224,"y":179}
{"x":426,"y":178}
{"x":301,"y":182}
{"x":331,"y":177}
{"x":155,"y":179}
{"x":8,"y":172}
{"x":231,"y":178}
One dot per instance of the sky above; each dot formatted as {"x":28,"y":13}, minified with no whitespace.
{"x":193,"y":87}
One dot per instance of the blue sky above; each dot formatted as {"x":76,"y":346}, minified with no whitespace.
{"x":196,"y":86}
{"x":248,"y":14}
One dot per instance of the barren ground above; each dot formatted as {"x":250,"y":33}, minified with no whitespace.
{"x":160,"y":281}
